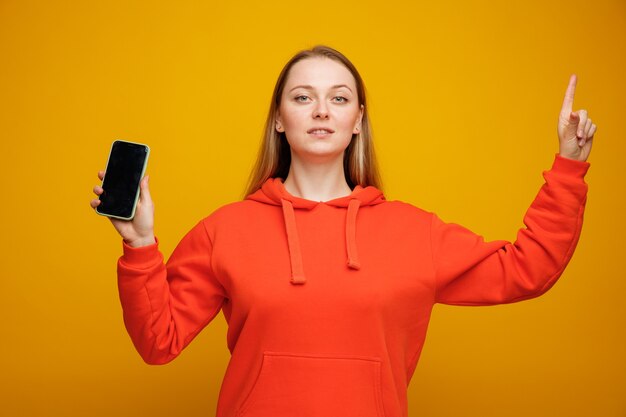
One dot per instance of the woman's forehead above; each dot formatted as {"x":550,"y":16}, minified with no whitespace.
{"x":319,"y":73}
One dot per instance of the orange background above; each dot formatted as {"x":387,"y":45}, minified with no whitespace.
{"x":464,"y":101}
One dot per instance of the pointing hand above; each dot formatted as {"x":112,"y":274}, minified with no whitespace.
{"x":575,"y":129}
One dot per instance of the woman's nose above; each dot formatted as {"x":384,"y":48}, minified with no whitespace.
{"x":320,"y":111}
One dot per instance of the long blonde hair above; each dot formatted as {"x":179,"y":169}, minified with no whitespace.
{"x":274,"y":156}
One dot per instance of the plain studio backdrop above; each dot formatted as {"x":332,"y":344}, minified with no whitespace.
{"x":464,"y":98}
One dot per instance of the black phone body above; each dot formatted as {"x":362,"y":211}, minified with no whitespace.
{"x":124,"y":170}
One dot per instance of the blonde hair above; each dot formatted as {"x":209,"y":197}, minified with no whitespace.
{"x":274,"y":156}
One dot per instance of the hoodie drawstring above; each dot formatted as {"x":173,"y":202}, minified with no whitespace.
{"x":293,"y":241}
{"x":353,"y":257}
{"x":295,"y":255}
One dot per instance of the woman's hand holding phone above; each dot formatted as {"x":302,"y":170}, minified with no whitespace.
{"x":140,"y":230}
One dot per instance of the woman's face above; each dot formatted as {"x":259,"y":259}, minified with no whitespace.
{"x":319,"y":109}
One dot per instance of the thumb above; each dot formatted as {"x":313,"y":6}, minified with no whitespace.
{"x":574,"y":118}
{"x":145,"y":189}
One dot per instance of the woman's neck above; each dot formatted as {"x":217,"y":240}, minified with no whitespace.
{"x":317,"y":182}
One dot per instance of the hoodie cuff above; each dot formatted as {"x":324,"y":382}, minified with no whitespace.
{"x":142,"y":257}
{"x":569,"y":167}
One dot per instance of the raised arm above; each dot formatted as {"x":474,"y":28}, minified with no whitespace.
{"x":470,"y":271}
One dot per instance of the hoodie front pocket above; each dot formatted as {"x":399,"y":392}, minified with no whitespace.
{"x":315,"y":386}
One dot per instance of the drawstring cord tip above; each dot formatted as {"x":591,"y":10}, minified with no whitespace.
{"x":354,"y":264}
{"x":300,"y":279}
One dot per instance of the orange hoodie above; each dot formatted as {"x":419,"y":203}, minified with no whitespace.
{"x":328,"y":303}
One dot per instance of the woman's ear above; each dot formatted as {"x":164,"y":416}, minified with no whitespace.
{"x":357,"y":127}
{"x":278,"y":124}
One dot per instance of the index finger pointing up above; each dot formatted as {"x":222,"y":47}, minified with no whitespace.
{"x":568,"y":100}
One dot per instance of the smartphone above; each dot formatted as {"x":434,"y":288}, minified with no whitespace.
{"x":124,"y":170}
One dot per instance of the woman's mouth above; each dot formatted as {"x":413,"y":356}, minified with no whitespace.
{"x":320,"y":132}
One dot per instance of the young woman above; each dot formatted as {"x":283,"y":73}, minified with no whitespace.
{"x":328,"y":287}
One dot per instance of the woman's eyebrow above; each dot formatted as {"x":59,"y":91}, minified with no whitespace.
{"x":310,"y":87}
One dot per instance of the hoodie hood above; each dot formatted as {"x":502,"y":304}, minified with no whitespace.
{"x":273,"y":192}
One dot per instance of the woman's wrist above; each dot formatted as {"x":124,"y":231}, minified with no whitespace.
{"x":137,"y":243}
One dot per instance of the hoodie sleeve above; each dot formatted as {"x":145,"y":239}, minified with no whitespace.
{"x":166,"y":305}
{"x":470,"y":271}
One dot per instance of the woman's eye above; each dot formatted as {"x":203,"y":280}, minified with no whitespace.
{"x":340,"y":99}
{"x":301,"y":98}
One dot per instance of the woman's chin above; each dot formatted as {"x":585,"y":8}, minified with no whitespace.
{"x":318,"y":154}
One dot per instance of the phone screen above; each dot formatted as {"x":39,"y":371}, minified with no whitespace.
{"x":124,"y":171}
